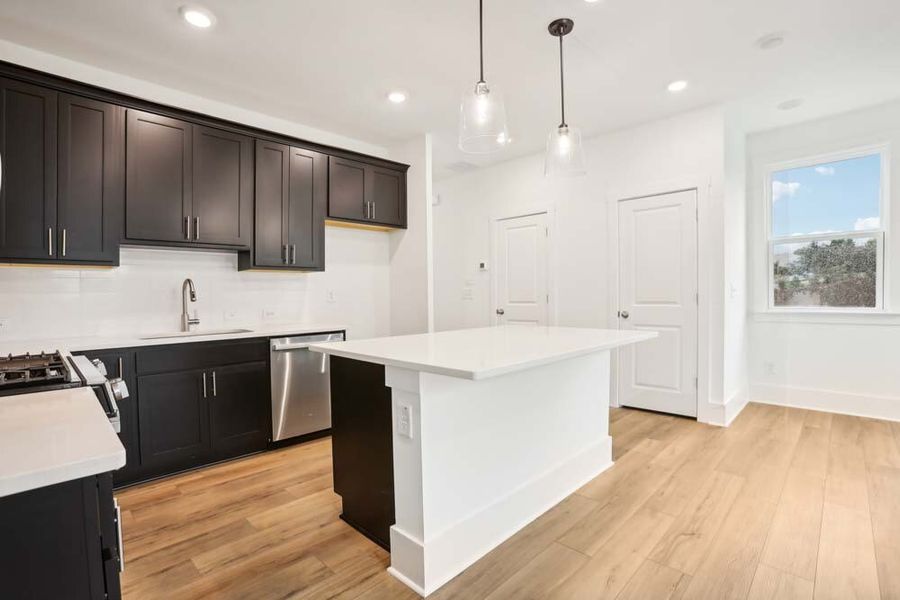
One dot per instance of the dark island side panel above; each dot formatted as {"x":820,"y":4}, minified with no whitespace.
{"x":362,"y":447}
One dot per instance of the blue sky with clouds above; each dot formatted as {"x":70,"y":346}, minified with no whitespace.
{"x":837,"y":196}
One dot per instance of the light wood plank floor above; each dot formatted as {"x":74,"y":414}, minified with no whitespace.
{"x":785,"y":503}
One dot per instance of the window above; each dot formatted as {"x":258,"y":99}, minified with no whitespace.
{"x":826,"y":233}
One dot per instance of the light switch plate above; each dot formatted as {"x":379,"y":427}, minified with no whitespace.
{"x":404,"y":420}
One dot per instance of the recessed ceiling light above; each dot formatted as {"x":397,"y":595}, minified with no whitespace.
{"x":677,"y":86}
{"x":591,"y":1}
{"x":397,"y":96}
{"x":770,"y":41}
{"x":790,"y":104}
{"x":198,"y":16}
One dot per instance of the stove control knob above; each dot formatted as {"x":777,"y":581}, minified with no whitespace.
{"x":100,"y":366}
{"x":119,"y":389}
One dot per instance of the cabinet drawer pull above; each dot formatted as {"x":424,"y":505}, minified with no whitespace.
{"x":121,"y":370}
{"x":64,"y":241}
{"x":373,"y":211}
{"x":187,"y":228}
{"x":284,"y":254}
{"x":204,"y":385}
{"x":196,"y":228}
{"x":50,"y":241}
{"x":293,"y":254}
{"x":215,"y":393}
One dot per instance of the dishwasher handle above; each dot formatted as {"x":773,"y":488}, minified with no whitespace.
{"x":286,"y":347}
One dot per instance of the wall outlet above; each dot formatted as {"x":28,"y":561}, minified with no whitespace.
{"x":404,"y":420}
{"x":269,"y":314}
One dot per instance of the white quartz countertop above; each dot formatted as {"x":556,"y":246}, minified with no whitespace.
{"x":51,"y":437}
{"x":136,"y":340}
{"x":484,"y":352}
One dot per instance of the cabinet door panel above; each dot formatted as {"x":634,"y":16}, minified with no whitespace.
{"x":28,"y":184}
{"x":272,"y":183}
{"x":174,"y":419}
{"x":223,"y":187}
{"x":388,"y":196}
{"x":306,"y":209}
{"x":158,"y":178}
{"x":239,"y":409}
{"x":347,"y":189}
{"x":91,"y":183}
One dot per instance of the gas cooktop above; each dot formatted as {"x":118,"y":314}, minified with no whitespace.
{"x":28,"y":371}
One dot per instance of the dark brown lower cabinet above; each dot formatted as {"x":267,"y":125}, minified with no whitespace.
{"x":174,"y":420}
{"x":362,"y":447}
{"x":61,"y":541}
{"x":238,"y":419}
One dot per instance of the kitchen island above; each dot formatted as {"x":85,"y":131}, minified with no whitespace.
{"x":445,"y":444}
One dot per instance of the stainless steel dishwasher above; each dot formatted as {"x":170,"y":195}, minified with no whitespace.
{"x":301,"y":390}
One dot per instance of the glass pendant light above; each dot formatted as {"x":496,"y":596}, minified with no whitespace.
{"x":565,"y":156}
{"x":482,"y":116}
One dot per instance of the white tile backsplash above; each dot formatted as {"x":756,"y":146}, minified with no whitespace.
{"x":143,"y":295}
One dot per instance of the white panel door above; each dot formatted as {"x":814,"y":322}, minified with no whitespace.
{"x":658,"y":292}
{"x":521,"y":273}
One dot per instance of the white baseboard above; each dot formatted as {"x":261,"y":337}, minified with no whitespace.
{"x":859,"y":405}
{"x":483,"y":531}
{"x":723,"y":414}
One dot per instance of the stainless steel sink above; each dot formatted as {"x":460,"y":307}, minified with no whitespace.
{"x":182,"y":334}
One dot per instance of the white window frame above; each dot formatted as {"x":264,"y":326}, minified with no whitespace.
{"x":881,"y":234}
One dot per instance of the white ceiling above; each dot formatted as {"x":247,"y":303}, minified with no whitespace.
{"x":329,"y":63}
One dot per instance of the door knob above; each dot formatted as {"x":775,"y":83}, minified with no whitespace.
{"x":623,"y":314}
{"x":501,"y":312}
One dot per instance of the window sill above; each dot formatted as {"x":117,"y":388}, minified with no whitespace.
{"x":878,"y":318}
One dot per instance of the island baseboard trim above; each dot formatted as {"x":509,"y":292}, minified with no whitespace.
{"x":427,"y":569}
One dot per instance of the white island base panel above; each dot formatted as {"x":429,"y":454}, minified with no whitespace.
{"x":487,"y":457}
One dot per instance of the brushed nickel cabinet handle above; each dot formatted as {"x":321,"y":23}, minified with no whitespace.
{"x":196,"y":228}
{"x":284,"y":256}
{"x":50,"y":241}
{"x":121,"y":370}
{"x":215,"y":393}
{"x":293,"y":254}
{"x":187,"y":228}
{"x":64,"y":241}
{"x":373,"y":210}
{"x":204,"y":384}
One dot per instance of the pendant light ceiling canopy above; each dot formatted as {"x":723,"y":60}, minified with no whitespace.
{"x":565,"y":155}
{"x":482,"y":115}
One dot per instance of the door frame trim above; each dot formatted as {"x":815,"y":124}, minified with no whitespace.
{"x":701,"y":185}
{"x":550,"y":251}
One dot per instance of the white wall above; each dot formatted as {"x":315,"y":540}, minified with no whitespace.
{"x":412,"y":286}
{"x":142,"y":296}
{"x":676,"y":153}
{"x":846,"y":364}
{"x":735,"y":342}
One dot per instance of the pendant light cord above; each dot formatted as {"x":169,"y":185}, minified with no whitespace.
{"x":481,"y":41}
{"x":562,"y":87}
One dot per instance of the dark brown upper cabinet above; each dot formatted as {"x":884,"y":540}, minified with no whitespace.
{"x":291,"y":196}
{"x":223,"y":187}
{"x":365,"y":193}
{"x":91,"y":180}
{"x":187,"y":184}
{"x":27,"y":171}
{"x":158,"y":173}
{"x":62,"y":185}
